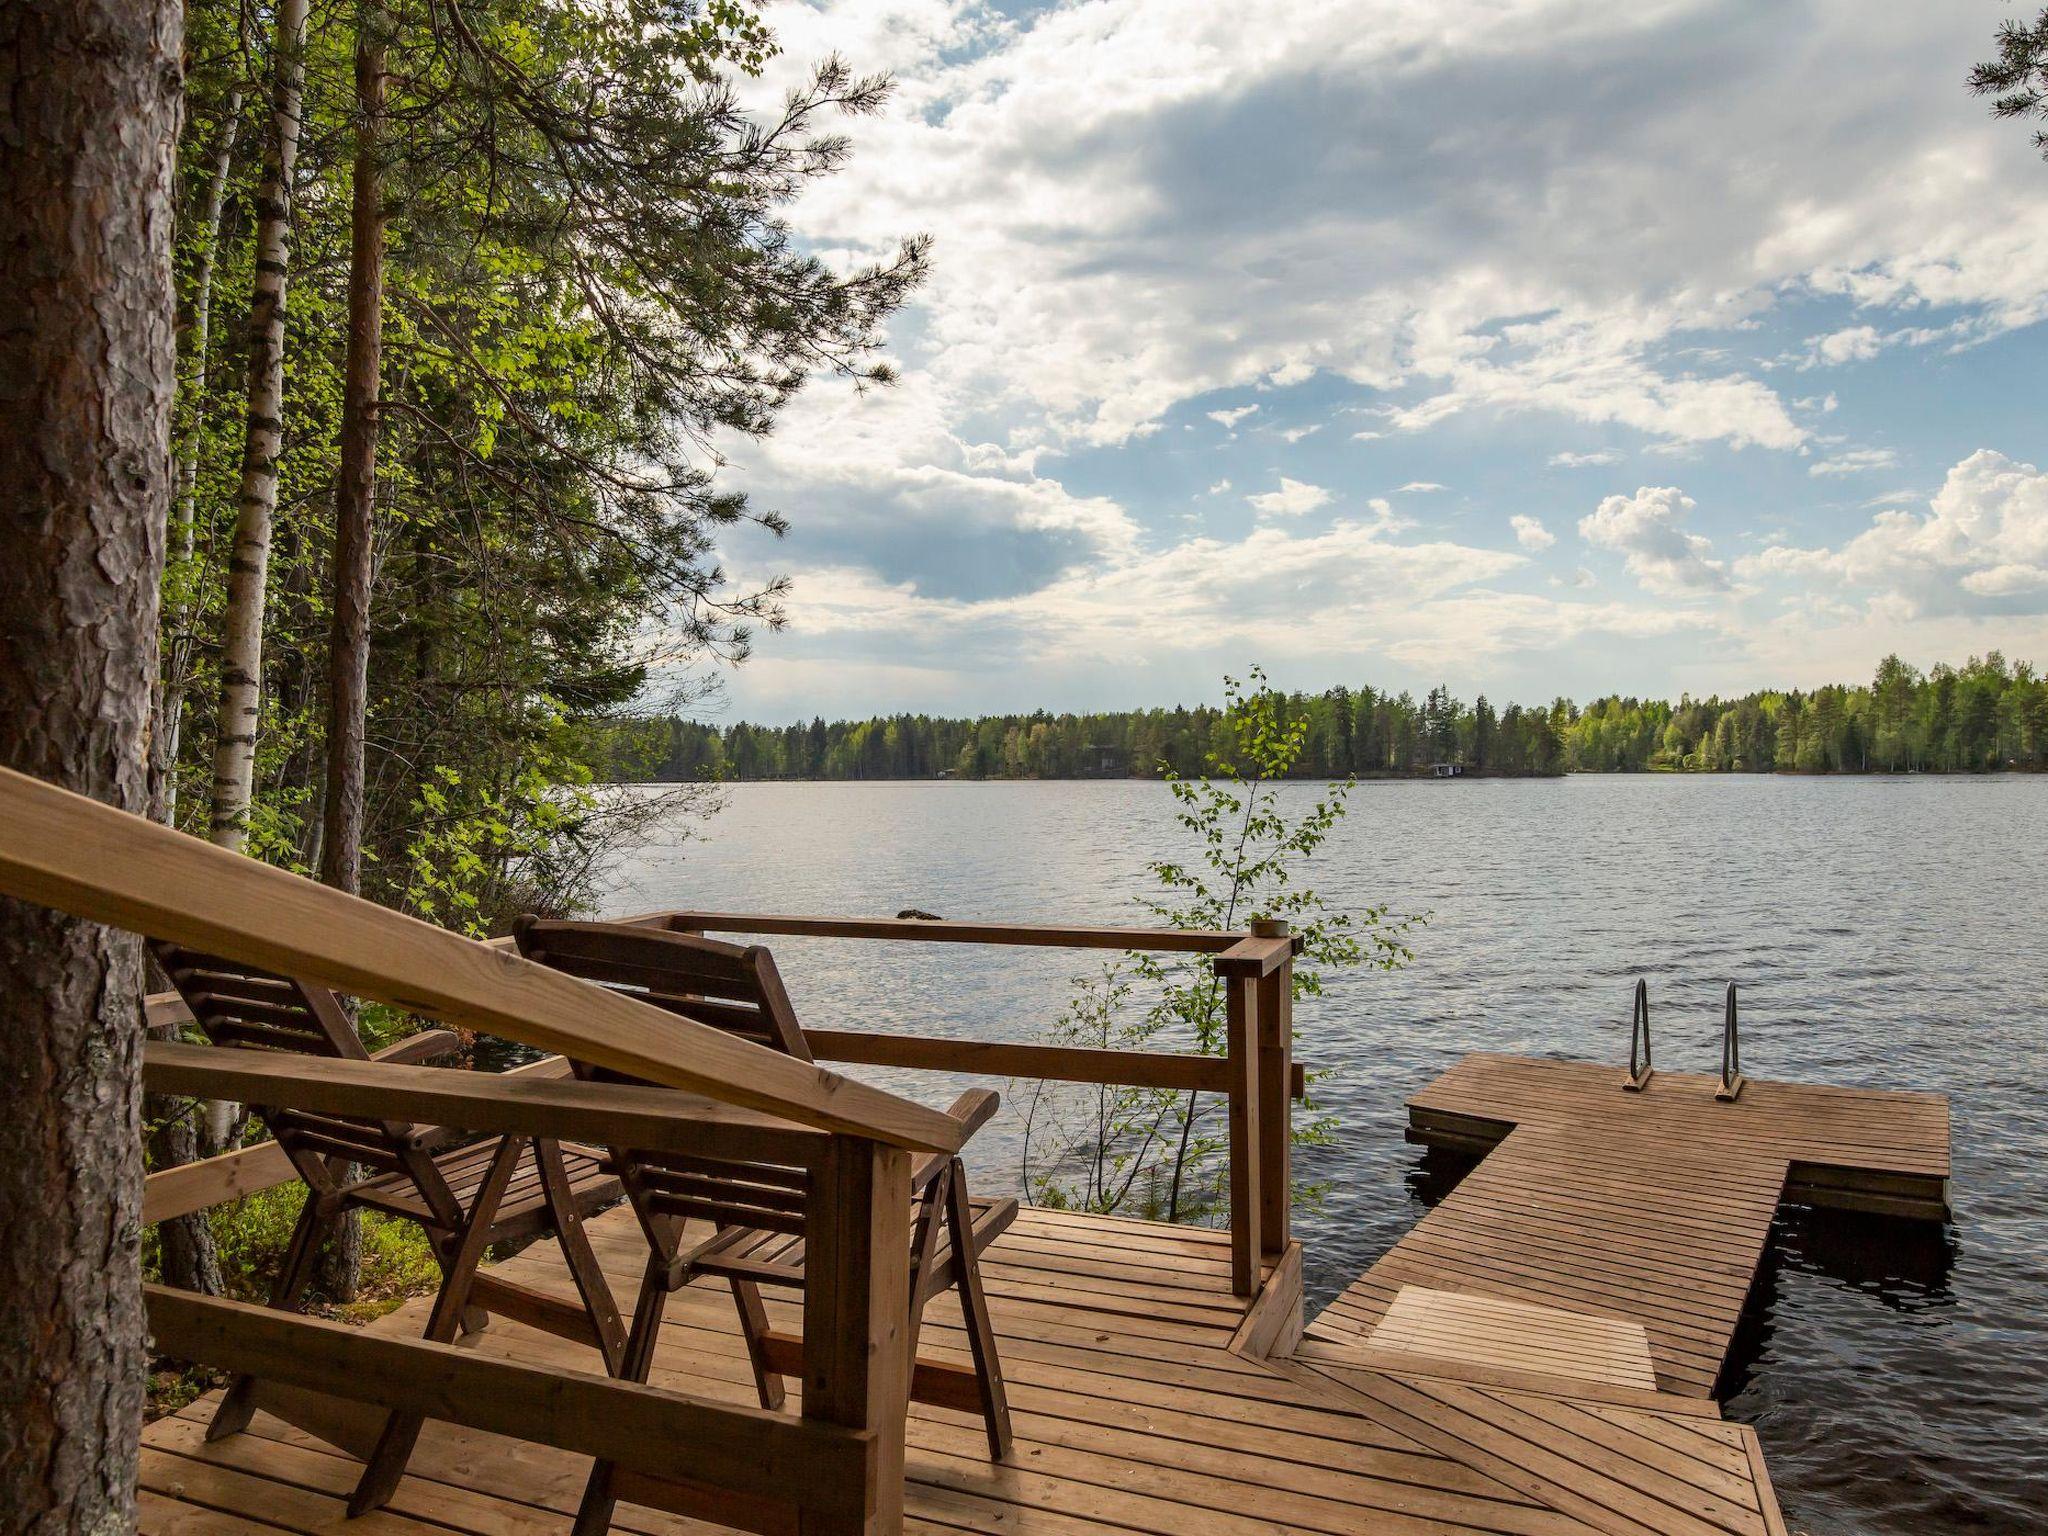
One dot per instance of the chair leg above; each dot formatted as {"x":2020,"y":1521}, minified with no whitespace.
{"x":576,"y":1253}
{"x":474,"y":1319}
{"x":594,"y":1514}
{"x":924,"y":1248}
{"x":402,"y":1430}
{"x":981,"y":1333}
{"x":237,"y":1405}
{"x":746,"y":1296}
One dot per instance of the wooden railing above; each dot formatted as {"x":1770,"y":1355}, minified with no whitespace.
{"x":1257,"y":1072}
{"x":839,"y":1468}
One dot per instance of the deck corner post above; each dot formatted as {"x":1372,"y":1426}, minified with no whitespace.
{"x":1246,"y":1204}
{"x":1275,"y":1013}
{"x":856,"y":1310}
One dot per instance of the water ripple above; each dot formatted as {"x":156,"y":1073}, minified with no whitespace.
{"x":1885,"y":932}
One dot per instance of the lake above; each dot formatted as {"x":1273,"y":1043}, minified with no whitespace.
{"x":1884,"y":932}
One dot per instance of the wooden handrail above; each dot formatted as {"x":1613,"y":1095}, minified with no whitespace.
{"x":525,"y":1104}
{"x":1184,"y":1072}
{"x":1240,"y":949}
{"x":1180,"y":1070}
{"x":95,"y":862}
{"x":771,"y":1459}
{"x":173,"y":1192}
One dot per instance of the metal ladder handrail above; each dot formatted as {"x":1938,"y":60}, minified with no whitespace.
{"x":1639,"y":1031}
{"x":1731,"y":1054}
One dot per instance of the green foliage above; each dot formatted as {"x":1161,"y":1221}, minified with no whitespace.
{"x":588,"y":280}
{"x":1363,"y":732}
{"x":1903,"y":721}
{"x":2017,"y":80}
{"x":252,"y":1233}
{"x":1987,"y":715}
{"x":1160,"y":1152}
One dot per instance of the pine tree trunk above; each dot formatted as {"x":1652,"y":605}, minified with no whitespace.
{"x":169,"y":716}
{"x":191,"y":1262}
{"x":241,"y":695}
{"x":88,"y":128}
{"x":355,"y":505}
{"x":355,"y":496}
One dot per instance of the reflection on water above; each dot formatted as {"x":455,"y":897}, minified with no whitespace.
{"x":1885,"y":932}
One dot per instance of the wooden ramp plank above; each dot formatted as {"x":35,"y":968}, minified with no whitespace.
{"x":1484,"y":1330}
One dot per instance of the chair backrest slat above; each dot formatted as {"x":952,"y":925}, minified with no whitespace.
{"x":728,"y":986}
{"x":245,"y":1006}
{"x":724,"y":1213}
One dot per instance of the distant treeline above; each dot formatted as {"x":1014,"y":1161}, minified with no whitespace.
{"x":1981,"y":717}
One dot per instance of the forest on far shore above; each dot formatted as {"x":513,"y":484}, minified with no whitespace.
{"x":1985,"y":716}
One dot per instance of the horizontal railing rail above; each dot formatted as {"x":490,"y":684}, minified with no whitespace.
{"x":104,"y":865}
{"x":769,"y":1470}
{"x":1257,"y":1074}
{"x":92,"y":861}
{"x":1257,"y":1071}
{"x":544,"y":1101}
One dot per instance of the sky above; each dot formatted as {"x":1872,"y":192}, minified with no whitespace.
{"x":1530,"y":346}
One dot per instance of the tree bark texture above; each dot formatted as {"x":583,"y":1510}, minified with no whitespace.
{"x":241,"y":661}
{"x":355,"y":497}
{"x":89,"y":95}
{"x":355,"y":507}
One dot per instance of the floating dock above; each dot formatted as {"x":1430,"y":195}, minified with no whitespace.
{"x":1536,"y":1358}
{"x":1650,"y":1207}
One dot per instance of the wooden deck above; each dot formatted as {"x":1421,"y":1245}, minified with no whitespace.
{"x":1535,"y":1359}
{"x":1133,"y":1414}
{"x":1652,"y":1208}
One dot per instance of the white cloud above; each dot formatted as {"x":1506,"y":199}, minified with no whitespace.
{"x":1292,"y":499}
{"x":1219,"y":487}
{"x":1851,"y":344}
{"x":1178,"y":234}
{"x":1129,"y":218}
{"x":1645,"y":530}
{"x":1296,"y":434}
{"x":1530,"y":532}
{"x":1982,"y":546}
{"x":1419,"y":486}
{"x":1855,"y":461}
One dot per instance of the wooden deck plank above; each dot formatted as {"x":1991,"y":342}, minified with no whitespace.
{"x":1534,"y":1397}
{"x":1131,"y":1415}
{"x":1654,"y":1207}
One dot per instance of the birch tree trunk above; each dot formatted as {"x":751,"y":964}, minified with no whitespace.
{"x":177,"y":663}
{"x":241,"y":693}
{"x":88,"y":129}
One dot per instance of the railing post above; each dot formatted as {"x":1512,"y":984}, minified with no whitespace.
{"x":1276,"y":1105}
{"x":1246,"y":1204}
{"x":856,"y":1310}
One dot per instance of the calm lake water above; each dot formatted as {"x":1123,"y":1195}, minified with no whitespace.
{"x":1886,"y":932}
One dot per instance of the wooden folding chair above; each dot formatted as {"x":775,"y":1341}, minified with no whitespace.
{"x":757,"y":1209}
{"x":466,"y":1197}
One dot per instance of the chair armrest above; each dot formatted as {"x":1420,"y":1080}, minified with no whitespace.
{"x":973,"y":1109}
{"x":417,"y":1048}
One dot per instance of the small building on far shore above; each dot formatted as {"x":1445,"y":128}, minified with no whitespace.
{"x":1447,"y":770}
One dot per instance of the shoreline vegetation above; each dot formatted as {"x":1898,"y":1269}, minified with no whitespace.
{"x":1985,"y":716}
